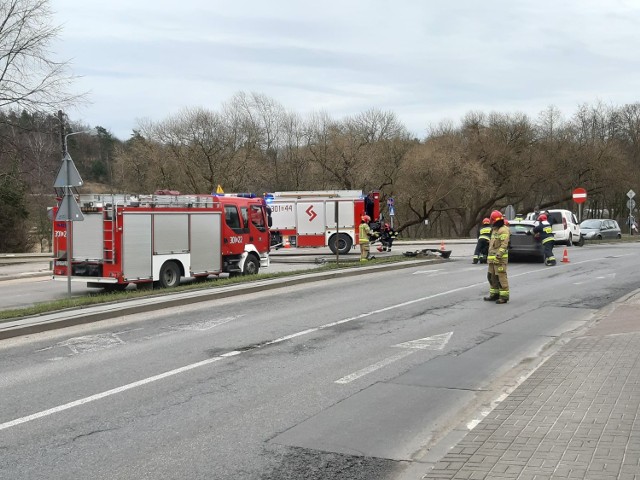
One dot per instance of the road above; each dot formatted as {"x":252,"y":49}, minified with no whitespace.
{"x":23,"y":292}
{"x":353,"y":378}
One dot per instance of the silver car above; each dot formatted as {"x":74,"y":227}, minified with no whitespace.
{"x":598,"y":229}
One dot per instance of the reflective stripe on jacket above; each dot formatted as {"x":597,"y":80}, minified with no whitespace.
{"x":364,"y":231}
{"x":499,"y":245}
{"x":485,"y":233}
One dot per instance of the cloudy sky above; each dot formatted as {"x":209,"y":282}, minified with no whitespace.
{"x":425,"y":60}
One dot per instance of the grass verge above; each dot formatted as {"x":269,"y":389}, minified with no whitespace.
{"x":101,"y":297}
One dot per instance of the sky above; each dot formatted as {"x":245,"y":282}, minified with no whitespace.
{"x":425,"y":60}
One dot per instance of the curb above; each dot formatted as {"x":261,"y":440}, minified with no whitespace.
{"x":26,"y":275}
{"x":73,"y":317}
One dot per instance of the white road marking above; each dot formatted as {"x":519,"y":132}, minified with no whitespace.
{"x":114,"y":391}
{"x":604,"y":277}
{"x":207,"y":324}
{"x":435,"y":342}
{"x":372,"y":368}
{"x":425,"y":272}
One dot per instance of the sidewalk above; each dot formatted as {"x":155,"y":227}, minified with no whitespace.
{"x":575,"y":417}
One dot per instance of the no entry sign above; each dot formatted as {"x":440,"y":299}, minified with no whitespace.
{"x":579,"y":195}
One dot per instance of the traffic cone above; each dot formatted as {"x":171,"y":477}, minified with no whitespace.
{"x":287,"y":244}
{"x":442,"y":249}
{"x":565,"y":256}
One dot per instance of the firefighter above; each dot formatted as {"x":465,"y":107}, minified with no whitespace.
{"x":544,"y":234}
{"x":364,"y":233}
{"x":387,"y":237}
{"x":482,"y":246}
{"x":497,"y":259}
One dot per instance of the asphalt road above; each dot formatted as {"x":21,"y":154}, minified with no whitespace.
{"x":343,"y":379}
{"x":31,"y":282}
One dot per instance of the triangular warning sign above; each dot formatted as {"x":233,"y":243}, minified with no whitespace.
{"x":68,"y":175}
{"x":69,"y":210}
{"x":219,"y":189}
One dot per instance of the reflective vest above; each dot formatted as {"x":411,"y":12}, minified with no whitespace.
{"x":544,"y":229}
{"x":499,"y":245}
{"x":364,"y":231}
{"x":484,"y":233}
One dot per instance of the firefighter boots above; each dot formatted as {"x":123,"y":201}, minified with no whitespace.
{"x":502,"y":300}
{"x":491,"y":298}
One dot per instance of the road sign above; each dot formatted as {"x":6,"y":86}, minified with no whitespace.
{"x":631,"y":204}
{"x":68,"y":175}
{"x":69,"y":210}
{"x":631,"y":194}
{"x":579,"y":195}
{"x":510,"y":212}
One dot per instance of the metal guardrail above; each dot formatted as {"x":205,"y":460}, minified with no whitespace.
{"x":25,"y":257}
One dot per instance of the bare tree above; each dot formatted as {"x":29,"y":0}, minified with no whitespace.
{"x":30,"y":78}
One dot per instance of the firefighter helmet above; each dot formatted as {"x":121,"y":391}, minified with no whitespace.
{"x":365,"y":218}
{"x":486,"y":221}
{"x":542,"y":217}
{"x":496,"y":215}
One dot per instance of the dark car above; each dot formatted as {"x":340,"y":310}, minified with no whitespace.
{"x":598,"y":229}
{"x":523,"y":243}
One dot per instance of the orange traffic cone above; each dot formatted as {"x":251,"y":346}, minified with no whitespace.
{"x":565,"y":256}
{"x":287,"y":244}
{"x":442,"y":249}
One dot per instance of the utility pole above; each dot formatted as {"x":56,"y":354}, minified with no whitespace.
{"x":68,"y":210}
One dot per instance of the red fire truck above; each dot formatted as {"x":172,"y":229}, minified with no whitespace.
{"x":156,"y":239}
{"x":308,"y":218}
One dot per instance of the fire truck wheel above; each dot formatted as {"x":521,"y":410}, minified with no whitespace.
{"x":251,"y":266}
{"x":169,"y":275}
{"x":343,"y":242}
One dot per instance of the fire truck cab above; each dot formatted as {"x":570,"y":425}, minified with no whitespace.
{"x":156,"y":239}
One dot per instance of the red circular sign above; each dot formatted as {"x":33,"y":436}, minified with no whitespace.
{"x":579,"y":195}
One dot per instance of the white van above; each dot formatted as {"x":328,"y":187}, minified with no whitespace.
{"x":565,"y":226}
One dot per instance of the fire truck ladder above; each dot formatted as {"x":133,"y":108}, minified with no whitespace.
{"x":110,"y":225}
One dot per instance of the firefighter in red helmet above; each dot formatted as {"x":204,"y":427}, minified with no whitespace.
{"x":544,"y":234}
{"x":363,"y":237}
{"x":482,"y":245}
{"x":497,"y":259}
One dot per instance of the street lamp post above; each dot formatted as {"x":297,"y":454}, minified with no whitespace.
{"x":67,"y":179}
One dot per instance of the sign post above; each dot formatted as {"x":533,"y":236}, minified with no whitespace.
{"x":68,"y":211}
{"x":579,"y":196}
{"x":392,"y":209}
{"x":631,"y":204}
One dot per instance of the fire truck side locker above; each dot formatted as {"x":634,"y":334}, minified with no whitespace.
{"x":191,"y":241}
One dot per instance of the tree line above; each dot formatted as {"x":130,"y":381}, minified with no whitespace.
{"x":453,"y":177}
